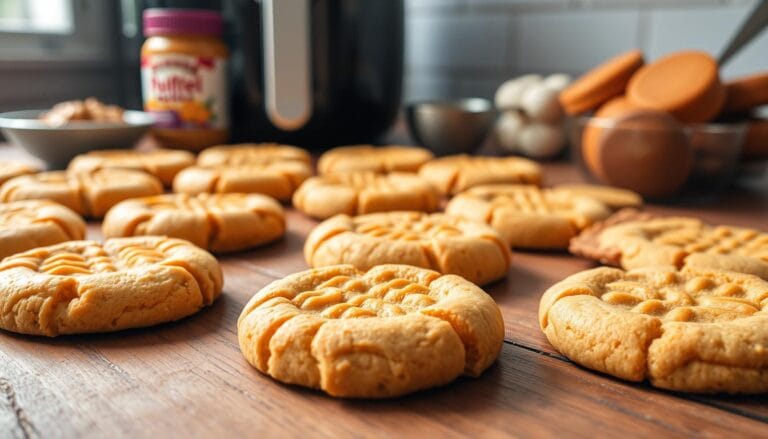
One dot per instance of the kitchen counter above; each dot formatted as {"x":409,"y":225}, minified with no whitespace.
{"x":188,"y":378}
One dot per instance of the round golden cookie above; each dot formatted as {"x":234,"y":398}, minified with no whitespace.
{"x":693,"y":330}
{"x":381,"y":159}
{"x":682,"y":241}
{"x":218,"y":222}
{"x":85,"y":286}
{"x":36,"y":223}
{"x":527,"y":216}
{"x":251,"y":154}
{"x":358,"y":193}
{"x":450,"y":245}
{"x":277,"y":179}
{"x":457,"y":173}
{"x":10,"y":169}
{"x":613,"y":197}
{"x":162,"y":163}
{"x":392,"y":330}
{"x":90,"y":193}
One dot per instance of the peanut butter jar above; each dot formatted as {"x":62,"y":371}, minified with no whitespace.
{"x":184,"y":77}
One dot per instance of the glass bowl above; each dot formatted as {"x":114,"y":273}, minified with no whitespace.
{"x":654,"y":155}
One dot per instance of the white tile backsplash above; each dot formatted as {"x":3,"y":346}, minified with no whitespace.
{"x":575,"y":40}
{"x":468,"y":47}
{"x":437,"y":40}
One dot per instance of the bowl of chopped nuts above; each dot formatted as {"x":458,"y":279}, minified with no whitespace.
{"x":74,"y":127}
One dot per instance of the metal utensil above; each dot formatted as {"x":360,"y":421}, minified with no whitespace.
{"x":752,"y":26}
{"x":452,"y":126}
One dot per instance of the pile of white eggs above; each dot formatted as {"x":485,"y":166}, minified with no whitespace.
{"x":531,"y":120}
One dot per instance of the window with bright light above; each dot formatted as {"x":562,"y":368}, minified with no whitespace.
{"x":36,"y":16}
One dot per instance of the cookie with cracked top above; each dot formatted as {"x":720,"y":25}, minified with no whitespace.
{"x":217,"y":222}
{"x":385,"y":332}
{"x":439,"y":242}
{"x":692,"y":330}
{"x":358,"y":193}
{"x":85,"y":286}
{"x":36,"y":223}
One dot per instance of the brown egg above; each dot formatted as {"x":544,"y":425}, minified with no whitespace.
{"x":604,"y":118}
{"x":645,"y":151}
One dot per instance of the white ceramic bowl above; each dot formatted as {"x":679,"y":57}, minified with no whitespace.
{"x":57,"y":145}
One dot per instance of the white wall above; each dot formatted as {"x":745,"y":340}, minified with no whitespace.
{"x":458,"y":48}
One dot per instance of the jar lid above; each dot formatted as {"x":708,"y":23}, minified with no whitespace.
{"x":161,"y":21}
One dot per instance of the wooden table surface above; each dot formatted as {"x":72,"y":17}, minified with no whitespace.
{"x":188,"y":378}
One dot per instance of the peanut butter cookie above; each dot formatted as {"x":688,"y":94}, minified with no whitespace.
{"x":85,"y":286}
{"x":358,"y":193}
{"x":10,"y":169}
{"x":693,"y":330}
{"x":392,"y":330}
{"x":613,"y":197}
{"x":251,"y":154}
{"x":457,"y":173}
{"x":447,"y":244}
{"x":633,"y":241}
{"x":527,"y":216}
{"x":89,"y":193}
{"x":380,"y":159}
{"x":162,"y":163}
{"x":278,"y":179}
{"x":218,"y":222}
{"x":36,"y":223}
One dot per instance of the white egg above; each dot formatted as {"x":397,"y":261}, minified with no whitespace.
{"x":508,"y":94}
{"x":538,"y":140}
{"x":540,"y":103}
{"x":508,"y":127}
{"x":557,"y":81}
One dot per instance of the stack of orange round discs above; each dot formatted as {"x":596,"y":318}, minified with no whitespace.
{"x":746,"y":93}
{"x":600,"y":84}
{"x":684,"y":84}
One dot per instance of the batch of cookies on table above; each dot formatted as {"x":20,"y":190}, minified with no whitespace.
{"x":392,"y":302}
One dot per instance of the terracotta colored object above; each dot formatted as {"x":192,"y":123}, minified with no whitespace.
{"x":756,"y":138}
{"x":746,"y":93}
{"x":616,"y":107}
{"x":647,"y":152}
{"x":600,"y":84}
{"x":685,"y":84}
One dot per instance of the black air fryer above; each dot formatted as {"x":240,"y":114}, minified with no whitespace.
{"x":316,"y":73}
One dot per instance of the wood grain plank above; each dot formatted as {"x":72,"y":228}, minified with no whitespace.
{"x":189,"y":378}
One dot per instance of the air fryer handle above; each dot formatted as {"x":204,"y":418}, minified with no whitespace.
{"x":287,"y":62}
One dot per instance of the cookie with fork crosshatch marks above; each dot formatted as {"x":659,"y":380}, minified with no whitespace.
{"x":36,"y":223}
{"x":379,"y":159}
{"x":447,"y":244}
{"x":162,"y":163}
{"x":392,"y":330}
{"x":358,"y":193}
{"x":693,"y":330}
{"x":85,"y":286}
{"x":251,"y":154}
{"x":10,"y":169}
{"x":277,"y":179}
{"x":527,"y":216}
{"x":90,"y":194}
{"x":633,"y":239}
{"x":218,"y":222}
{"x":456,"y":173}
